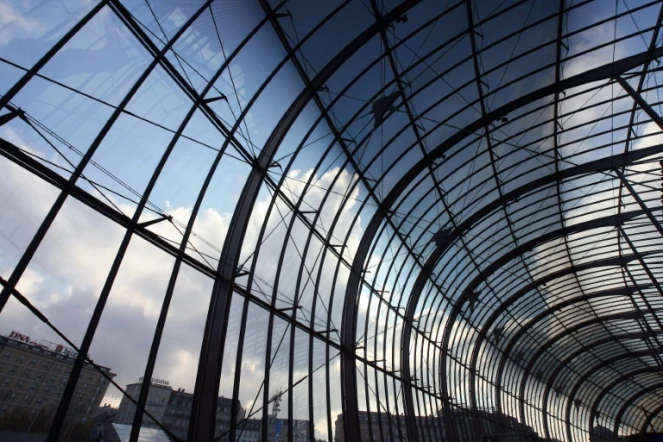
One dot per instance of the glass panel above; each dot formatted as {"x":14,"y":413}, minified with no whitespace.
{"x":481,"y":178}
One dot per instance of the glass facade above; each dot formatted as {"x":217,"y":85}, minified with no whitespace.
{"x":359,"y":220}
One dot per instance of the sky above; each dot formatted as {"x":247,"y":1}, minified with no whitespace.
{"x":104,"y":60}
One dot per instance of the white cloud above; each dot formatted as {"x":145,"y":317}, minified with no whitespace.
{"x":11,"y":21}
{"x":70,"y":268}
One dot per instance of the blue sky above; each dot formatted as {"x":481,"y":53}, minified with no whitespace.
{"x":104,"y":60}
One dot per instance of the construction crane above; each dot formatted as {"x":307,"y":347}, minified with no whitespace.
{"x":276,"y":399}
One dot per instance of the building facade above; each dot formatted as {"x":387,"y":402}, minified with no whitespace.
{"x":277,"y":430}
{"x":383,"y":427}
{"x":477,"y":426}
{"x":490,"y":425}
{"x":172,"y":408}
{"x":32,"y":379}
{"x":249,"y":430}
{"x":157,"y":401}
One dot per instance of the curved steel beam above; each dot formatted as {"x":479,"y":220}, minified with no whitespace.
{"x":608,"y":221}
{"x":214,"y":341}
{"x":156,"y":341}
{"x":622,"y":291}
{"x":606,"y":262}
{"x":594,"y":166}
{"x":513,"y":340}
{"x":211,"y":358}
{"x":590,"y":167}
{"x":577,"y":327}
{"x":629,"y":402}
{"x":578,"y":383}
{"x":426,"y":272}
{"x":550,"y":382}
{"x":650,"y":417}
{"x":614,"y":383}
{"x":68,"y":394}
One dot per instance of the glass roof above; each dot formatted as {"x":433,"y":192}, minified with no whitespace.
{"x":358,"y":220}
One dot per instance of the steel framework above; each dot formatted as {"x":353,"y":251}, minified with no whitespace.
{"x":407,"y":220}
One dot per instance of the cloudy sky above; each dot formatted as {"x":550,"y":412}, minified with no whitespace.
{"x":104,"y":60}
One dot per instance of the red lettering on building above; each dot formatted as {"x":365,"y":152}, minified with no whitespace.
{"x":19,"y":337}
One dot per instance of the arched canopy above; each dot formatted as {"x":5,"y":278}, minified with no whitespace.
{"x":339,"y":220}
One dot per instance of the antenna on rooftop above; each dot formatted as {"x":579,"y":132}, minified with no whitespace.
{"x":277,"y":402}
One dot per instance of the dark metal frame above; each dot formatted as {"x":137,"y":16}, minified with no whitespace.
{"x":499,"y":277}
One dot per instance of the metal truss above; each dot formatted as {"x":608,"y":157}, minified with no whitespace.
{"x":450,"y":226}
